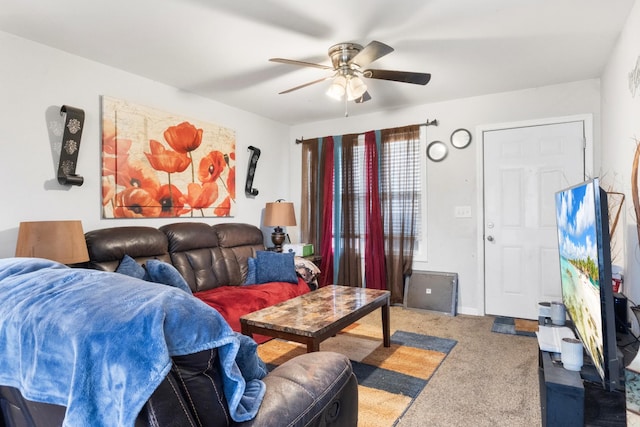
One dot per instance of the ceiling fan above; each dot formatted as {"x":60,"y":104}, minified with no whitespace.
{"x":348,"y":66}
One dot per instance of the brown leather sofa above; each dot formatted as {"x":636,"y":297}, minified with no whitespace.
{"x":212,"y":260}
{"x":317,"y":389}
{"x":206,"y":256}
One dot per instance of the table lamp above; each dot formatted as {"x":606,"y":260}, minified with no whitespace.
{"x":279,"y":214}
{"x":61,"y":241}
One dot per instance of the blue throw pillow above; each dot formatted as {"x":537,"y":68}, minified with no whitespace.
{"x":130,"y":267}
{"x":275,"y":267}
{"x":166,"y":274}
{"x":251,"y":272}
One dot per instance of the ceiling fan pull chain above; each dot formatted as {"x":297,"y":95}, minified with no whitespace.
{"x":346,"y":106}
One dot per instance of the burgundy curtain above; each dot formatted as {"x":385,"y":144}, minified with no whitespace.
{"x":374,"y":270}
{"x":326,"y":238}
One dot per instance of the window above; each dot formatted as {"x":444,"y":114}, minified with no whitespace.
{"x":401,"y":165}
{"x":401,"y":168}
{"x":394,"y":213}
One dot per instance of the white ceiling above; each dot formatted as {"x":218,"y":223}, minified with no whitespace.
{"x":219,"y":49}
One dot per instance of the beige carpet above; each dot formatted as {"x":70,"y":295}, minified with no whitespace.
{"x":488,"y":379}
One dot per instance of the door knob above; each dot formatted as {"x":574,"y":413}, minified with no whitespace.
{"x":490,"y":238}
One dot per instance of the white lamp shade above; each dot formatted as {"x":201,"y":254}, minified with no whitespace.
{"x":337,"y":88}
{"x":356,"y":88}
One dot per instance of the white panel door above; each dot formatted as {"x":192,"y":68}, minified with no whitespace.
{"x":523,"y":169}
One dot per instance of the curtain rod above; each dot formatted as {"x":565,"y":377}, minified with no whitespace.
{"x":433,"y":122}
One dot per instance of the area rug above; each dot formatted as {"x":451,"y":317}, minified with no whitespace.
{"x":389,"y":378}
{"x":515,"y":326}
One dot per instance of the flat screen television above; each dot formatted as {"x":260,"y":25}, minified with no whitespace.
{"x":585,"y":271}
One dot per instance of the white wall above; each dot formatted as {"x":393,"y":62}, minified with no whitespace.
{"x":452,"y":243}
{"x":35,"y":81}
{"x":620,"y":134}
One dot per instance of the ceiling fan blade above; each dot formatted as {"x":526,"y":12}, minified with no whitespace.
{"x":305,"y":85}
{"x":300,"y":63}
{"x":398,"y":76}
{"x":371,"y":52}
{"x":364,"y":98}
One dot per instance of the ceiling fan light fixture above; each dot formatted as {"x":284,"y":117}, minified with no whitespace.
{"x":355,"y":88}
{"x":349,"y":65}
{"x":337,"y":88}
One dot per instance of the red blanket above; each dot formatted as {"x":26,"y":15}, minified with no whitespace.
{"x":235,"y":301}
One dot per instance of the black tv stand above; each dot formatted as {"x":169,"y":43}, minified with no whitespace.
{"x":603,"y":408}
{"x":568,"y":399}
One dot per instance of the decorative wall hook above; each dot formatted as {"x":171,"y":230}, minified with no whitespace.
{"x":253,"y":161}
{"x":70,"y":146}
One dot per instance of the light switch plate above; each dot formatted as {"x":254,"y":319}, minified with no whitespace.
{"x":462,"y":212}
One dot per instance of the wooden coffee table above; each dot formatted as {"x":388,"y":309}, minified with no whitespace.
{"x":313,"y":317}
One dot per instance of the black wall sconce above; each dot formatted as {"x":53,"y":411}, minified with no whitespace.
{"x":251,"y":171}
{"x":70,"y":146}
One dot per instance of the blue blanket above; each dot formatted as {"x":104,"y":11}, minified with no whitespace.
{"x":100,"y":343}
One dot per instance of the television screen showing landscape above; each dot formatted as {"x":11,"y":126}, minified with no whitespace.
{"x":578,"y":245}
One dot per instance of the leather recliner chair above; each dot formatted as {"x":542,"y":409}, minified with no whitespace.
{"x":314,"y":389}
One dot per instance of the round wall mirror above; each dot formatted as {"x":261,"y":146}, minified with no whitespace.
{"x":460,"y":138}
{"x":437,"y":151}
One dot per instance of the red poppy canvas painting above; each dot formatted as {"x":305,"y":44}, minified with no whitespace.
{"x":157,"y":164}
